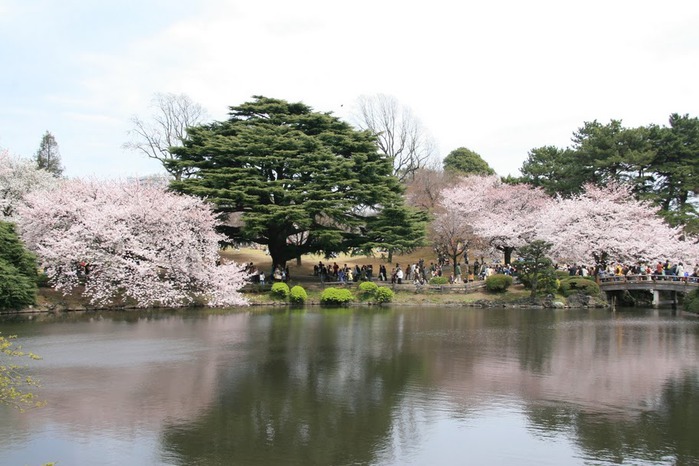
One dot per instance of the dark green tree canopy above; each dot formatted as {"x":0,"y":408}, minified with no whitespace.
{"x":466,"y":162}
{"x":661,"y":163}
{"x":290,"y":170}
{"x":48,"y":156}
{"x":18,"y":272}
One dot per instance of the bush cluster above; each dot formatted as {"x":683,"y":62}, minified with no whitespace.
{"x":298,"y":295}
{"x":691,"y":301}
{"x":367,"y":290}
{"x":336,"y":296}
{"x":280,"y":290}
{"x":383,"y":294}
{"x":571,"y":285}
{"x":498,"y":283}
{"x":439,"y":281}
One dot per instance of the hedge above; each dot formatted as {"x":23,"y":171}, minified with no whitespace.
{"x":336,"y":296}
{"x":498,"y":282}
{"x":280,"y":290}
{"x":582,"y":285}
{"x":298,"y":295}
{"x":383,"y":294}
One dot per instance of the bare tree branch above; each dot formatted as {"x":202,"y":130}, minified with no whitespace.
{"x":400,"y":135}
{"x":167,"y":128}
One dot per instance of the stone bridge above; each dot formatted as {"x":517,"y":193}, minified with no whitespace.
{"x":653,"y":283}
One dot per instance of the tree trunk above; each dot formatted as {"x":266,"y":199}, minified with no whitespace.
{"x":535,"y":285}
{"x":298,"y":261}
{"x":277,"y":251}
{"x":390,"y":256}
{"x":508,"y":250}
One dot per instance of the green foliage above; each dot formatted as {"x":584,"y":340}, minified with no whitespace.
{"x":42,"y":280}
{"x":18,"y":275}
{"x":498,"y":283}
{"x":289,"y":170}
{"x":465,"y":161}
{"x":399,"y":229}
{"x":14,"y":382}
{"x":383,"y":294}
{"x":691,"y":301}
{"x":582,"y":285}
{"x":438,"y":281}
{"x":48,"y":157}
{"x":280,"y":290}
{"x":367,"y":290}
{"x":298,"y":295}
{"x":336,"y":296}
{"x":535,"y":268}
{"x":661,"y":163}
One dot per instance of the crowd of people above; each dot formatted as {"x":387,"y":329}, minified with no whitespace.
{"x":651,"y":271}
{"x":420,"y":273}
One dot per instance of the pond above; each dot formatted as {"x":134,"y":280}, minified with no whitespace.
{"x":359,"y":386}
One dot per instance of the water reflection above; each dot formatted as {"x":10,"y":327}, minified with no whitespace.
{"x":397,"y":386}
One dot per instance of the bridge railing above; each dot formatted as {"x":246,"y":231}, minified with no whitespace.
{"x":647,"y":278}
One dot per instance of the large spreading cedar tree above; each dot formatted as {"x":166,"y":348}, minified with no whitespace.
{"x":291,"y":173}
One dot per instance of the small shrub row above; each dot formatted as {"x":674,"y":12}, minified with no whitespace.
{"x":296,"y":295}
{"x":368,"y":291}
{"x":336,"y":296}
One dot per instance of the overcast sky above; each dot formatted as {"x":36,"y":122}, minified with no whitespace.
{"x":498,"y":77}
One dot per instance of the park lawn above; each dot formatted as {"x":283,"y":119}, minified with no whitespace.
{"x":263,"y":261}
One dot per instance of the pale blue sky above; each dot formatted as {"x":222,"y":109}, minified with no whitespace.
{"x":498,"y":77}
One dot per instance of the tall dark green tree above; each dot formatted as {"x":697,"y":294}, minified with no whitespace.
{"x":48,"y":156}
{"x":466,"y":162}
{"x":398,"y":229}
{"x":611,"y":152}
{"x":18,"y":272}
{"x":288,"y":170}
{"x":661,"y":163}
{"x":676,"y":168}
{"x":548,"y":167}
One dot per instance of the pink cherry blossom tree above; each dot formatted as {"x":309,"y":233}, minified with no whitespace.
{"x":18,"y":177}
{"x":504,"y":215}
{"x":607,"y":224}
{"x":129,"y":240}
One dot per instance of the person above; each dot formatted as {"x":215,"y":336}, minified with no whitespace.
{"x":262,"y":278}
{"x":457,"y":273}
{"x":399,"y":274}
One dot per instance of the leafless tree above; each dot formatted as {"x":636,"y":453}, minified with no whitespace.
{"x":166,"y":128}
{"x":424,"y":188}
{"x":401,"y":135}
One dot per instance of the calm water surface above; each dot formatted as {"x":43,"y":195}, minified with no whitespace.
{"x":397,"y":386}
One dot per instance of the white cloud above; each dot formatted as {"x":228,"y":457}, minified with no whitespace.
{"x":498,"y":77}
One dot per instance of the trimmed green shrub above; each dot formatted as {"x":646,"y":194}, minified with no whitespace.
{"x":562,"y":274}
{"x":298,"y":295}
{"x":280,"y":290}
{"x":383,"y":294}
{"x":367,"y":290}
{"x":582,"y":285}
{"x":498,"y":283}
{"x":439,"y":281}
{"x":336,"y":296}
